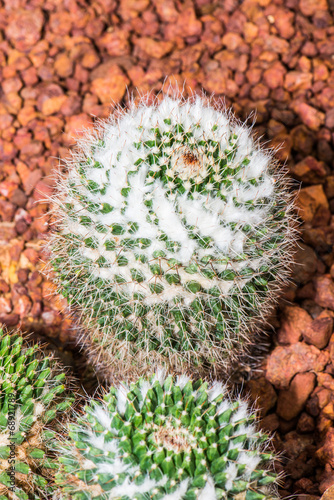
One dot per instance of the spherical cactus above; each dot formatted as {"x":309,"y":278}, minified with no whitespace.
{"x":166,"y":439}
{"x":174,"y":234}
{"x":32,"y":393}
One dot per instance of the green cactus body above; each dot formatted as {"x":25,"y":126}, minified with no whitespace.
{"x":32,"y":393}
{"x":174,"y":234}
{"x":166,"y":439}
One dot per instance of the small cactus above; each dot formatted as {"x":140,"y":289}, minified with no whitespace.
{"x":166,"y":439}
{"x":174,"y":234}
{"x":32,"y":393}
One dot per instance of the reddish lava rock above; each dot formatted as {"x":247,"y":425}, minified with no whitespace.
{"x":294,"y":322}
{"x":285,"y":362}
{"x":25,"y":27}
{"x":319,"y":332}
{"x":324,"y":291}
{"x":292,"y":400}
{"x":108,"y":83}
{"x":263,"y":393}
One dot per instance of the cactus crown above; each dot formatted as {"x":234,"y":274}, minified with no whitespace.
{"x":166,"y":439}
{"x":174,"y":232}
{"x":32,"y":393}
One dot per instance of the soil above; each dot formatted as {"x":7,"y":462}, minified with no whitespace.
{"x":62,"y":62}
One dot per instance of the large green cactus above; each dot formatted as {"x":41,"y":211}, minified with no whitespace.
{"x":174,"y":234}
{"x":166,"y":439}
{"x":32,"y":394}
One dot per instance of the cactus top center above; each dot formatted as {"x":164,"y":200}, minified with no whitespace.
{"x":173,"y":438}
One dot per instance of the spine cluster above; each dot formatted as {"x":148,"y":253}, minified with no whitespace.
{"x":174,"y":233}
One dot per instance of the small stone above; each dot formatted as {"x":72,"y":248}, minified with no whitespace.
{"x":263,"y":393}
{"x":285,"y":361}
{"x":31,"y":255}
{"x":324,"y":291}
{"x":22,"y":275}
{"x":309,"y":170}
{"x":274,"y":76}
{"x":326,"y":453}
{"x":22,"y":306}
{"x":295,"y":321}
{"x":310,"y":7}
{"x":30,"y":181}
{"x":11,"y":319}
{"x":26,"y":115}
{"x":108,"y":83}
{"x":297,"y":80}
{"x":115,"y":42}
{"x":7,"y":150}
{"x":63,"y":65}
{"x":291,"y":401}
{"x":42,"y":192}
{"x":7,"y":231}
{"x":270,"y":423}
{"x":310,"y":200}
{"x":4,"y":287}
{"x":75,"y":128}
{"x":53,"y":105}
{"x":319,"y":332}
{"x":325,"y":380}
{"x":302,"y":139}
{"x":306,"y":264}
{"x":310,"y":116}
{"x":154,"y":48}
{"x":24,"y":28}
{"x":5,"y":305}
{"x":305,"y":423}
{"x":7,"y":210}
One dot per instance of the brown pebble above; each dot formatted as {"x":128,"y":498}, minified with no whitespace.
{"x":263,"y":393}
{"x":294,"y":322}
{"x":286,"y":361}
{"x":292,"y":400}
{"x":324,"y":291}
{"x":24,"y":29}
{"x":9,"y":319}
{"x":326,"y":452}
{"x":108,"y":83}
{"x":305,"y":423}
{"x":319,"y":332}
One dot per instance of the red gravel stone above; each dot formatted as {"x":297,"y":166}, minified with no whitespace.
{"x":310,"y":200}
{"x":5,"y":305}
{"x":108,"y":83}
{"x":25,"y":27}
{"x":309,"y":170}
{"x":319,"y":332}
{"x":326,"y":452}
{"x":295,"y":321}
{"x":292,"y":400}
{"x":324,"y":291}
{"x":263,"y":393}
{"x":310,"y":7}
{"x":285,"y":362}
{"x":310,"y":116}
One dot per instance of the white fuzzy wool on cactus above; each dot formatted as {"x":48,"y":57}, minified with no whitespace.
{"x":166,"y":439}
{"x":174,"y":232}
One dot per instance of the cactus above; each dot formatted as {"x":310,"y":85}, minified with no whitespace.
{"x":165,"y":439}
{"x":174,"y":234}
{"x":32,"y":393}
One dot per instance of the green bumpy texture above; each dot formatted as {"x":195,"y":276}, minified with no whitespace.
{"x":166,"y":439}
{"x":32,"y":394}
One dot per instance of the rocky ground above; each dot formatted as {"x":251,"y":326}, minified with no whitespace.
{"x":63,"y":61}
